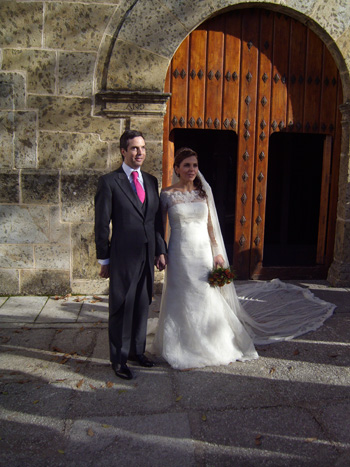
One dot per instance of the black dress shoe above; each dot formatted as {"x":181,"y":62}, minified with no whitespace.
{"x":122,"y":371}
{"x":144,"y":361}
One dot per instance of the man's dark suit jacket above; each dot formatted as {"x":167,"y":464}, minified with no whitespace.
{"x":133,"y":226}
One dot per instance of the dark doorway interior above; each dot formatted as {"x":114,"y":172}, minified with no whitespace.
{"x":293,"y":199}
{"x":217,"y":154}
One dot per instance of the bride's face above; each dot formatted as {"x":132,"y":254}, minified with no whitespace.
{"x":188,"y":169}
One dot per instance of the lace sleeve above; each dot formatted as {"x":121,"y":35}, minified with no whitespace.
{"x":214,"y":244}
{"x":164,"y":208}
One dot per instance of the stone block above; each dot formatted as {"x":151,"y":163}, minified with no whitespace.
{"x":7,"y":127}
{"x":16,"y":256}
{"x":98,"y":286}
{"x":25,"y":142}
{"x":59,"y":231}
{"x":191,"y":12}
{"x":152,"y":128}
{"x":44,"y":282}
{"x":77,"y":196}
{"x":75,"y":73}
{"x":9,"y":282}
{"x":115,"y":157}
{"x":76,"y":26}
{"x":18,"y":139}
{"x":72,"y":151}
{"x":85,"y":265}
{"x":73,"y":114}
{"x":128,"y":57}
{"x":39,"y":66}
{"x":150,"y":33}
{"x":342,"y":45}
{"x":40,"y":187}
{"x":333,"y":16}
{"x":21,"y":24}
{"x":24,"y":224}
{"x":9,"y":186}
{"x":154,"y":160}
{"x":12,"y":90}
{"x":52,"y":256}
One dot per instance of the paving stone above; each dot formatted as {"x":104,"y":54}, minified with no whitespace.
{"x":22,"y":309}
{"x":155,"y":440}
{"x":60,"y":311}
{"x":94,"y":312}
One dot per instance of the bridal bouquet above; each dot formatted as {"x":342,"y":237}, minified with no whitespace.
{"x":219,"y":277}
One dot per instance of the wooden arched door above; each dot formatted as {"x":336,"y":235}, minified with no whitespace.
{"x":257,"y":93}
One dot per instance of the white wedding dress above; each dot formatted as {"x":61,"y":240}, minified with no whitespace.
{"x":200,"y":325}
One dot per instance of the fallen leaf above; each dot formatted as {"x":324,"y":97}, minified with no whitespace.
{"x":109,"y":384}
{"x":258,"y":440}
{"x":58,"y":331}
{"x":296,"y":352}
{"x":56,"y":349}
{"x":204,"y":418}
{"x":35,"y":402}
{"x":178,"y":398}
{"x":63,"y":361}
{"x":121,"y":391}
{"x":104,"y":425}
{"x":272,"y":370}
{"x":310,"y":440}
{"x":97,"y":298}
{"x":91,"y":386}
{"x":60,"y":451}
{"x":90,"y":432}
{"x":80,"y":383}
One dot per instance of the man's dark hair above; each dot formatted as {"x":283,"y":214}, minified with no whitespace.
{"x":126,"y":136}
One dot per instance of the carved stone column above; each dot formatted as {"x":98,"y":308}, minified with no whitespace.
{"x":339,"y":272}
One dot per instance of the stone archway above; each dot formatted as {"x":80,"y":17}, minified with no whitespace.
{"x":143,"y":37}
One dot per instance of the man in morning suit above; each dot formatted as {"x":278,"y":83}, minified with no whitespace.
{"x":129,"y":199}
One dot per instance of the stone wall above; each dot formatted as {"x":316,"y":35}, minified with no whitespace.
{"x":73,"y":76}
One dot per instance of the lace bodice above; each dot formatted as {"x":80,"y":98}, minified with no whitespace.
{"x":182,"y":215}
{"x":170,"y":198}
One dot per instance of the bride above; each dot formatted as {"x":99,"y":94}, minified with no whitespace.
{"x":200,"y":325}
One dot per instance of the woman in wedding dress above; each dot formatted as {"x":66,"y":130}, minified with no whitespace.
{"x":200,"y":325}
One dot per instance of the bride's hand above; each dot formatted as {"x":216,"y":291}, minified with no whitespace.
{"x":219,"y":261}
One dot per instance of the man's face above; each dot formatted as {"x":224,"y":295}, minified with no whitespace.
{"x":136,"y":152}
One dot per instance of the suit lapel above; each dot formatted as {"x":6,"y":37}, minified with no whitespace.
{"x":149,"y":189}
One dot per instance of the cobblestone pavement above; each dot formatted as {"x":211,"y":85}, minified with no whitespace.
{"x":61,"y":404}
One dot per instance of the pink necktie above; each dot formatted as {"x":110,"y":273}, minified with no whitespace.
{"x":139,"y":190}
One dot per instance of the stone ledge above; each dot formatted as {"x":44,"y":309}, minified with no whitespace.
{"x":122,"y":104}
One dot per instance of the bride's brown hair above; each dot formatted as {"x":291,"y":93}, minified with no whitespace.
{"x":182,"y":154}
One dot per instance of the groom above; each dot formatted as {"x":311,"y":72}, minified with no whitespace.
{"x":129,"y":199}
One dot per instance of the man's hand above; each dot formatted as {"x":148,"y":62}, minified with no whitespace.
{"x":104,"y":271}
{"x":160,"y":262}
{"x":219,"y":261}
